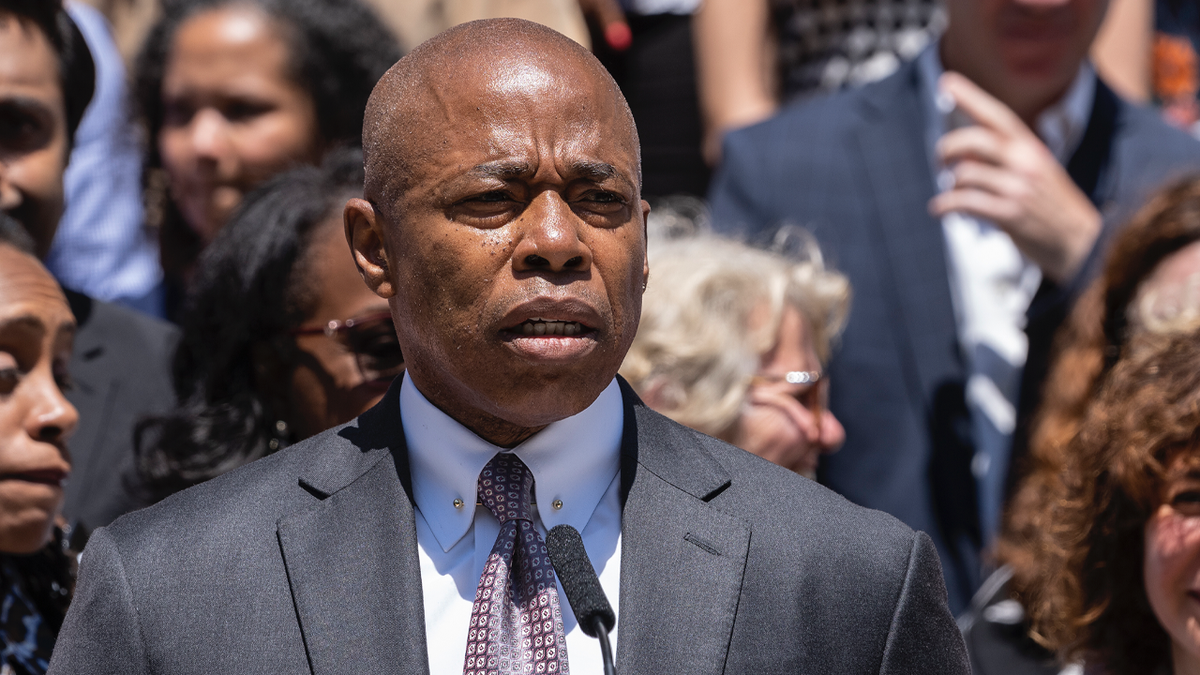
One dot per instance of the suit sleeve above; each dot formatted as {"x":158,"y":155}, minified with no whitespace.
{"x":101,"y":633}
{"x":923,"y":637}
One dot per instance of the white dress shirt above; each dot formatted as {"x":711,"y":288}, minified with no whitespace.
{"x":992,"y":283}
{"x":576,"y":468}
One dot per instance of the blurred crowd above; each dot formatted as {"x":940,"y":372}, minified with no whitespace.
{"x":942,"y":256}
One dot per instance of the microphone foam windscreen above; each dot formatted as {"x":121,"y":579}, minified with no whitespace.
{"x":578,"y":578}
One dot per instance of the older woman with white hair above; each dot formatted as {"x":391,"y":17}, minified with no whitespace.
{"x":733,"y":341}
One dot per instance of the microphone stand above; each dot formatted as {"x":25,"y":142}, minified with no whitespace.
{"x":605,"y":648}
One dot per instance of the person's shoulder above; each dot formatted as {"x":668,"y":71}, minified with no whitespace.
{"x":244,"y":504}
{"x":1143,"y":130}
{"x":120,"y":328}
{"x":819,"y":118}
{"x":788,"y":511}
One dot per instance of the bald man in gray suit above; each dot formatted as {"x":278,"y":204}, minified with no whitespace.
{"x":503,"y":221}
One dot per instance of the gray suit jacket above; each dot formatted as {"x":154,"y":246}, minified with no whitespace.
{"x":122,"y":371}
{"x":306,"y":561}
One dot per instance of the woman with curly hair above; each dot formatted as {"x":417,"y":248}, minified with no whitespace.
{"x":1120,"y":583}
{"x":232,"y":92}
{"x":1150,"y":284}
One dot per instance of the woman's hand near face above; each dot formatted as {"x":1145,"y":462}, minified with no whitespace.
{"x":777,"y":426}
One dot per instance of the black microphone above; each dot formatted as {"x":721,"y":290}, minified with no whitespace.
{"x":582,"y":586}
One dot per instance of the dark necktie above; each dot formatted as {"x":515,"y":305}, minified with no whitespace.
{"x":516,"y":622}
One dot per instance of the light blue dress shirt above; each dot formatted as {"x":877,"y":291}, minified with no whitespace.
{"x":102,"y":247}
{"x":576,"y":466}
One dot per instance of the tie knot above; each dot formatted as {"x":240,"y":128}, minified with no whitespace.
{"x":506,"y":488}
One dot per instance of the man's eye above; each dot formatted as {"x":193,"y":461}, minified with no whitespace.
{"x":604,"y":197}
{"x":494,"y":196}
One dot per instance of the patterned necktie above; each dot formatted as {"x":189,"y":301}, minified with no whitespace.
{"x":516,"y":622}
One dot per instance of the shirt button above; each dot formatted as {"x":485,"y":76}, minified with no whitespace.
{"x":458,"y":503}
{"x":557,"y":504}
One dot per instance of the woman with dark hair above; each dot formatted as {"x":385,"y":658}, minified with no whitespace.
{"x":1150,"y":284}
{"x":233,"y":91}
{"x":1121,"y":560}
{"x":281,"y":338}
{"x":37,"y":330}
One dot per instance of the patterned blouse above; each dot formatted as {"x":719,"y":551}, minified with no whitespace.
{"x":829,"y":44}
{"x":26,"y":637}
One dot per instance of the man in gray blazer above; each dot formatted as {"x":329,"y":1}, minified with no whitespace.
{"x":504,"y":224}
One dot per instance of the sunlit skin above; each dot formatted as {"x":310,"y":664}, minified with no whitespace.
{"x":1172,"y":564}
{"x":327,"y":388}
{"x":1023,"y":52}
{"x":778,"y":421}
{"x":521,"y":200}
{"x":36,"y":334}
{"x":233,"y":116}
{"x":33,"y":131}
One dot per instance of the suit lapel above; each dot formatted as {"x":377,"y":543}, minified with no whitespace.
{"x":352,"y":558}
{"x":909,"y":241}
{"x":682,"y":560}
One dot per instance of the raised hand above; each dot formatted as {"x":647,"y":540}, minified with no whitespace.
{"x":1003,"y":173}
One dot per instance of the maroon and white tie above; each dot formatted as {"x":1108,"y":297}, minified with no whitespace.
{"x":516,"y":621}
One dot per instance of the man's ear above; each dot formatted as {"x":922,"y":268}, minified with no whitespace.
{"x":365,"y":236}
{"x":645,"y":254}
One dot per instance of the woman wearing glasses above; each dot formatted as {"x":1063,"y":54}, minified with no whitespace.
{"x":732,"y":343}
{"x":281,"y":339}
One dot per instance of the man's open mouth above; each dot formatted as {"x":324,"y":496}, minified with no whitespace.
{"x":539,"y":326}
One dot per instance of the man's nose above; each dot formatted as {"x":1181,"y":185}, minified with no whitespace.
{"x":549,"y":238}
{"x":51,"y":417}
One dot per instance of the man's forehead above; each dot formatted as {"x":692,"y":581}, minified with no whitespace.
{"x":534,"y":92}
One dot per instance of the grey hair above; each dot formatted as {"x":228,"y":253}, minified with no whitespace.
{"x":713,"y":307}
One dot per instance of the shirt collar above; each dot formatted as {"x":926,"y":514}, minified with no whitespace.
{"x":573,"y":460}
{"x":1060,"y":126}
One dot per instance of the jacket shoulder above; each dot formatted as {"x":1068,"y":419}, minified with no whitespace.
{"x":246,"y":502}
{"x":785,"y":508}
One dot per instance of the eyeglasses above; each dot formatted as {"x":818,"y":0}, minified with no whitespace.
{"x":812,"y":391}
{"x":372,"y":340}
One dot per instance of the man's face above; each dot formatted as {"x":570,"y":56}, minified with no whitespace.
{"x":518,"y":251}
{"x":33,"y":130}
{"x":1031,"y":48}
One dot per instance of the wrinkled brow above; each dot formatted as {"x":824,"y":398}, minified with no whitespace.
{"x":511,"y":170}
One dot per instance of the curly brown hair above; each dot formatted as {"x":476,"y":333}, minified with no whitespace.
{"x":1091,"y":601}
{"x":1086,"y":348}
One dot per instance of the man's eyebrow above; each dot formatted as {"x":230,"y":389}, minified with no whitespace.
{"x":594,"y":171}
{"x":503,"y":169}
